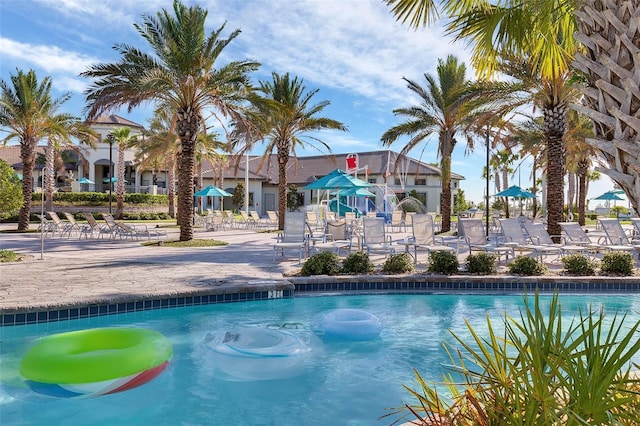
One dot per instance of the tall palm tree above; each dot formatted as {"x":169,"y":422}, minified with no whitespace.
{"x":548,"y":31}
{"x":29,"y":114}
{"x":285,"y":118}
{"x":55,"y":149}
{"x":182,"y":73}
{"x":447,"y":105}
{"x":124,"y":139}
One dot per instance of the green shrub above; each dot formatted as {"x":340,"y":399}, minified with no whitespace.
{"x":324,"y":263}
{"x":443,"y":262}
{"x":617,"y":263}
{"x":398,"y":264}
{"x":357,"y":263}
{"x":578,"y":264}
{"x":482,"y":263}
{"x":525,"y":265}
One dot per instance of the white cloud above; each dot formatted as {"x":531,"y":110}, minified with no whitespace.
{"x":47,"y":57}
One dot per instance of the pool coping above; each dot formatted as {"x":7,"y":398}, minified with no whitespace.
{"x":231,"y":292}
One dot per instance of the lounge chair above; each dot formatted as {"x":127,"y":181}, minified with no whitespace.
{"x":313,"y":221}
{"x":337,"y":238}
{"x":135,"y":232}
{"x":538,"y":234}
{"x":247,"y":220}
{"x":46,"y":226}
{"x":73,"y":225}
{"x":514,"y":236}
{"x":573,"y":233}
{"x":374,"y":238}
{"x":617,"y":237}
{"x":229,"y":218}
{"x":63,"y":228}
{"x":293,"y":237}
{"x":424,"y":237}
{"x":397,"y":221}
{"x":272,"y":218}
{"x":94,"y":228}
{"x":473,"y":233}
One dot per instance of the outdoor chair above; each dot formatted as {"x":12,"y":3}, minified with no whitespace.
{"x":293,"y":237}
{"x":374,"y":238}
{"x":474,"y":236}
{"x":229,"y":218}
{"x":63,"y":228}
{"x":397,"y":221}
{"x":313,"y":221}
{"x":259,"y":222}
{"x":46,"y":226}
{"x":617,"y":237}
{"x":247,"y":220}
{"x":424,"y":237}
{"x":73,"y":225}
{"x":514,"y":236}
{"x":538,"y":234}
{"x":135,"y":232}
{"x":272,"y":220}
{"x":94,"y":228}
{"x":215,"y":222}
{"x":337,"y":238}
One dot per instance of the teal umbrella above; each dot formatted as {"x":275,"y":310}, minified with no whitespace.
{"x":516,"y":192}
{"x":113,"y":179}
{"x":338,"y":179}
{"x":212,"y":191}
{"x":609,"y":195}
{"x":85,"y":180}
{"x":356,"y":192}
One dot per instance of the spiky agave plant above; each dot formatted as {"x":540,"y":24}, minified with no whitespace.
{"x":536,"y":372}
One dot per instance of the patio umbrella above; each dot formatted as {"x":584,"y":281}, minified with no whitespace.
{"x":85,"y":180}
{"x":516,"y":192}
{"x":609,"y":196}
{"x":339,"y":180}
{"x":212,"y":191}
{"x":113,"y":179}
{"x":356,"y":192}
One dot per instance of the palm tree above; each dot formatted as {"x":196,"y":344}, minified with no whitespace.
{"x":286,"y":119}
{"x":55,"y":150}
{"x":124,"y":139}
{"x":182,"y":74}
{"x":446,"y":109}
{"x":547,"y":32}
{"x":29,"y":114}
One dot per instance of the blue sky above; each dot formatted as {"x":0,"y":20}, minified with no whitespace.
{"x":353,"y":51}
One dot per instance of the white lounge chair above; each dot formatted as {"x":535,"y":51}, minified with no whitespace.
{"x":424,"y":237}
{"x":617,"y":237}
{"x":538,"y":234}
{"x":514,"y":236}
{"x":374,"y":238}
{"x":475,"y":237}
{"x":337,"y":238}
{"x":293,"y":237}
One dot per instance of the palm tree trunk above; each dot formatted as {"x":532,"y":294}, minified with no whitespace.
{"x":571,"y":191}
{"x":171,"y":185}
{"x":610,"y":65}
{"x":28,"y":157}
{"x":48,"y":181}
{"x":283,"y":160}
{"x":583,"y":169}
{"x":534,"y":172}
{"x":445,"y":197}
{"x":554,"y":127}
{"x":120,"y":190}
{"x":187,"y":125}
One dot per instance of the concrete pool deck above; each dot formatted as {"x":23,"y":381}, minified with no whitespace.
{"x":77,"y":272}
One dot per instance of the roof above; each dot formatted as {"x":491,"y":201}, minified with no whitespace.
{"x":114,"y":120}
{"x":304,"y":170}
{"x":11,"y":154}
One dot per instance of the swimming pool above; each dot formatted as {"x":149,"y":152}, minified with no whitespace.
{"x":342,"y":383}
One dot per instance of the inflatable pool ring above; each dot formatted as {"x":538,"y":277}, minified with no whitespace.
{"x":253,"y":353}
{"x":347,"y":324}
{"x":95,"y":362}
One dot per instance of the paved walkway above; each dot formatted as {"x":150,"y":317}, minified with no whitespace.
{"x":80,"y":272}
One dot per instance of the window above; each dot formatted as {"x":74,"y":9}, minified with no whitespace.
{"x":372,"y":180}
{"x":398,"y":182}
{"x":421,"y":182}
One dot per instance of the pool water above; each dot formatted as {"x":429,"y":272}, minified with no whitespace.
{"x":342,"y":382}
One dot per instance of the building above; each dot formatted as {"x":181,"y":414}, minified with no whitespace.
{"x":392,"y":175}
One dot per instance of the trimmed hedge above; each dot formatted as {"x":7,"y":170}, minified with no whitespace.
{"x":100,"y":197}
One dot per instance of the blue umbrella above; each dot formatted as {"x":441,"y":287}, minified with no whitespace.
{"x":609,"y":195}
{"x":338,"y":179}
{"x":212,"y":191}
{"x":113,"y":179}
{"x":516,"y":192}
{"x":85,"y":180}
